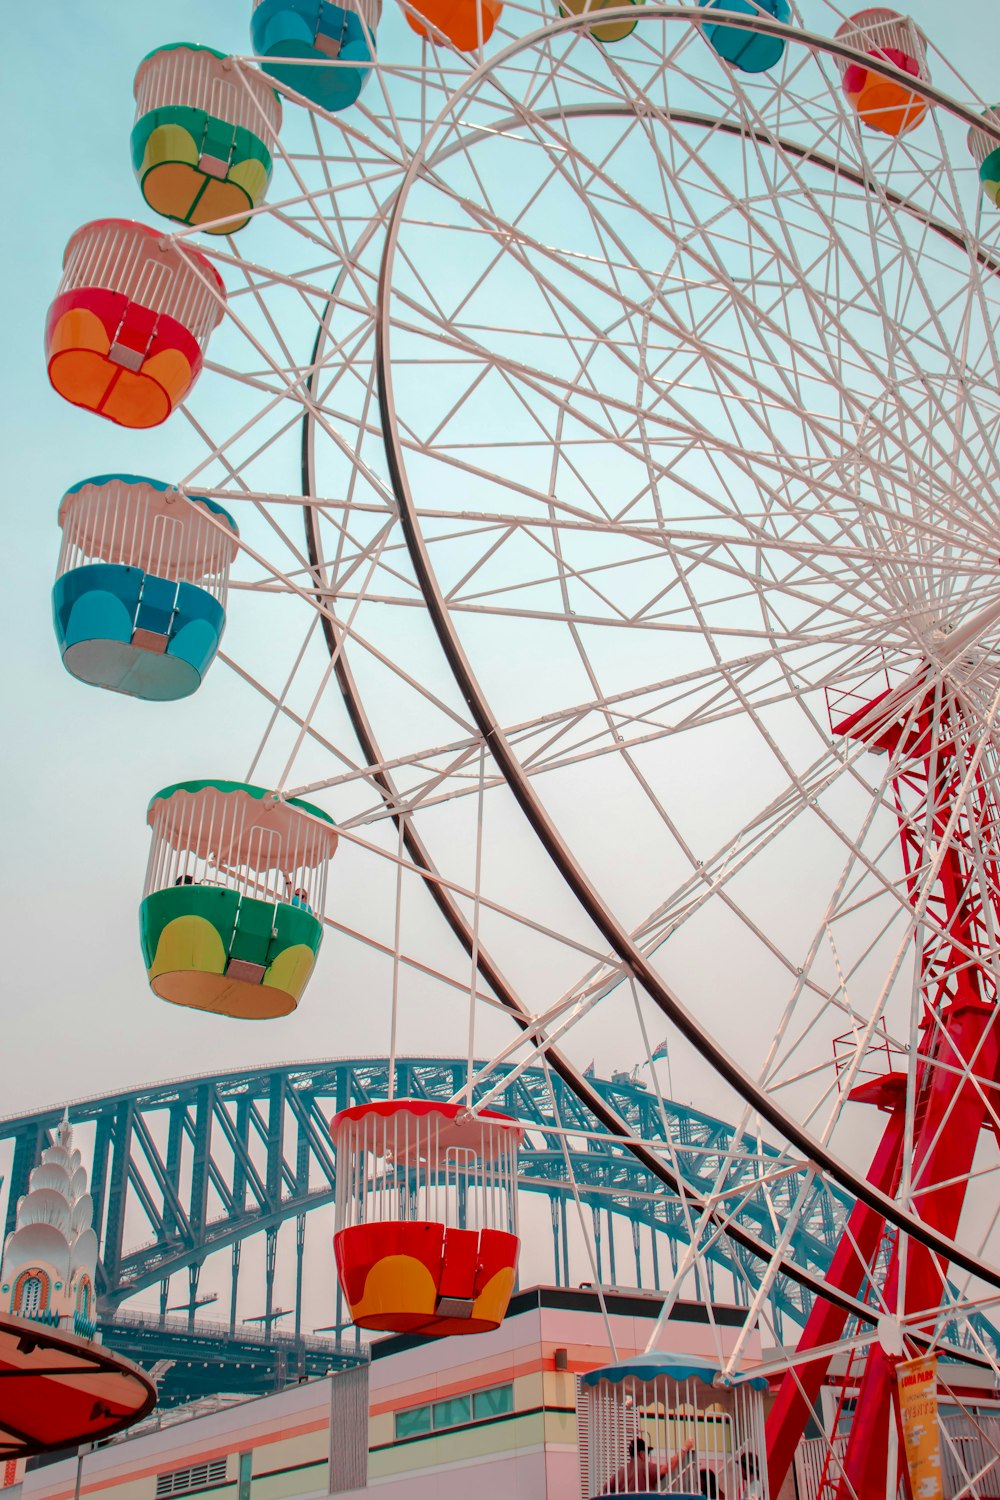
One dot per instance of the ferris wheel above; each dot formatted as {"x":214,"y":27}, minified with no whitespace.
{"x":636,"y":380}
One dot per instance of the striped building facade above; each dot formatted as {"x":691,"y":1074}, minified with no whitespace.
{"x":492,"y":1415}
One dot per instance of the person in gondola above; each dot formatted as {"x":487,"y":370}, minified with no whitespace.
{"x":300,"y":898}
{"x":643,"y":1471}
{"x":751,"y":1488}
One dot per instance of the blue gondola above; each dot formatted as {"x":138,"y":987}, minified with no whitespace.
{"x":139,"y":602}
{"x":750,"y":51}
{"x":318,"y":32}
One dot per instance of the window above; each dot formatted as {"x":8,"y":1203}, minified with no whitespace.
{"x":413,"y":1422}
{"x":198,"y":1477}
{"x":452,"y":1413}
{"x":457,"y":1411}
{"x":246,"y":1475}
{"x":496,"y":1402}
{"x":31,"y":1296}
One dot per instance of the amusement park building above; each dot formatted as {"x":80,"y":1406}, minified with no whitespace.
{"x":425,"y":1419}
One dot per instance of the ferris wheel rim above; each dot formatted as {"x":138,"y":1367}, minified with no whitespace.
{"x":612,"y":930}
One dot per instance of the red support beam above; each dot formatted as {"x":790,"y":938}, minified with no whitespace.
{"x":853,"y":1262}
{"x":943,"y":804}
{"x":950,"y":1115}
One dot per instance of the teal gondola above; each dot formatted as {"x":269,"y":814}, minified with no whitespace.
{"x":750,"y":51}
{"x":327,"y":50}
{"x":985,"y":152}
{"x":139,"y":602}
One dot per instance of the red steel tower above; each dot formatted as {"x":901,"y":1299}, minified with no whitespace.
{"x":941,"y":779}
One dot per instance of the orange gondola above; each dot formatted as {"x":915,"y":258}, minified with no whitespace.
{"x":127,"y":332}
{"x":884,"y":104}
{"x":467,"y":24}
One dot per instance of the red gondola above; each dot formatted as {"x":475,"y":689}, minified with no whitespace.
{"x":426,"y":1238}
{"x":127,"y":332}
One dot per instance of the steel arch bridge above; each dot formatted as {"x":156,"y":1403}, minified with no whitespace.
{"x":205,"y":1163}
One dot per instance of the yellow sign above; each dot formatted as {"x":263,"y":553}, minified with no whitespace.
{"x":917,"y":1384}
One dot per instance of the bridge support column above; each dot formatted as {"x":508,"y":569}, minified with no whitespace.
{"x":596,"y":1212}
{"x":612,"y":1271}
{"x":271,"y":1255}
{"x":194,"y":1276}
{"x":237,"y":1245}
{"x":300,"y":1250}
{"x":554,"y":1211}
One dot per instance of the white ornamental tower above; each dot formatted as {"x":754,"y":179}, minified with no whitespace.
{"x":49,"y":1260}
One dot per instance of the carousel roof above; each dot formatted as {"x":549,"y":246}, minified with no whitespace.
{"x":58,"y":1390}
{"x":663,"y":1366}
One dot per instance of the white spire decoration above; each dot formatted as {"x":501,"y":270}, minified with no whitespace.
{"x":49,"y":1260}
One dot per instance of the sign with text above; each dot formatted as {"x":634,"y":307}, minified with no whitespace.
{"x":917,"y":1384}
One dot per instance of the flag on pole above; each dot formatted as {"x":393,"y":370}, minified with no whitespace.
{"x":663,"y":1050}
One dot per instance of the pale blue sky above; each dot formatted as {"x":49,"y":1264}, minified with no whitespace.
{"x":78,"y":764}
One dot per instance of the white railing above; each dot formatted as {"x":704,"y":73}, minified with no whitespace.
{"x":370,"y":11}
{"x":244,"y":1333}
{"x":970,"y":1460}
{"x":878,"y":30}
{"x":200,"y":80}
{"x":127,"y":521}
{"x":421,"y":1164}
{"x":210,"y":837}
{"x":148,"y":269}
{"x":980,"y":144}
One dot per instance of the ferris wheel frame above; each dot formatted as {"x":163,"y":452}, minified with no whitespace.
{"x":627,"y":952}
{"x":615,"y":934}
{"x":444,"y":898}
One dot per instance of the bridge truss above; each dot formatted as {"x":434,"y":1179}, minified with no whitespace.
{"x":190,"y":1169}
{"x":187,"y":1173}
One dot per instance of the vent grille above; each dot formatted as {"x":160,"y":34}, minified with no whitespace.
{"x":197,"y":1477}
{"x":583,"y":1435}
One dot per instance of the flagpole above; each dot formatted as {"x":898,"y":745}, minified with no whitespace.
{"x":663,"y":1050}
